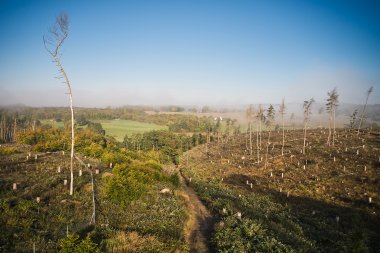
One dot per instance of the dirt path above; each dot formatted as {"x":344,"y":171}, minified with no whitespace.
{"x":199,"y":226}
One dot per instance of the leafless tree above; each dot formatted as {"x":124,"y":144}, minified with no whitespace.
{"x":282,"y":110}
{"x":249,"y":114}
{"x":260,"y":118}
{"x":306,"y":114}
{"x":320,"y":111}
{"x":269,"y":122}
{"x":331,"y":105}
{"x":369,"y":91}
{"x":53,"y":43}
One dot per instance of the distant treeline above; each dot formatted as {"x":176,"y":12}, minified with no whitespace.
{"x":14,"y":119}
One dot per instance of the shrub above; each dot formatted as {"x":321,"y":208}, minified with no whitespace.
{"x":8,"y":150}
{"x":245,"y":235}
{"x":72,"y":244}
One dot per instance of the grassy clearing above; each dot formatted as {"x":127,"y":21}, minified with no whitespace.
{"x":119,"y":128}
{"x":116,"y":128}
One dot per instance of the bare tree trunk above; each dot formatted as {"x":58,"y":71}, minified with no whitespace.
{"x":257,"y":143}
{"x":333,"y":142}
{"x":266,"y":154}
{"x":365,"y":106}
{"x":58,"y":34}
{"x":304,"y":140}
{"x":250,"y":137}
{"x":283,"y":134}
{"x":329,"y":136}
{"x":260,"y":132}
{"x":62,"y":71}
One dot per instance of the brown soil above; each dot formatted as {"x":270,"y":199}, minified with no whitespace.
{"x":200,"y":222}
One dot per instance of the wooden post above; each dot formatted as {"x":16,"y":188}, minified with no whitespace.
{"x":14,"y":186}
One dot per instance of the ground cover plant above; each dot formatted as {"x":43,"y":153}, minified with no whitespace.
{"x":132,"y":215}
{"x":323,"y":200}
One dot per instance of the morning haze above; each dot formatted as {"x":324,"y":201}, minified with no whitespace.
{"x":190,"y":126}
{"x":192,"y":53}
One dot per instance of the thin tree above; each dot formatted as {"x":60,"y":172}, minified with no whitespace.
{"x":260,"y":116}
{"x":306,"y":115}
{"x":269,"y":122}
{"x":320,"y":111}
{"x":331,"y":105}
{"x":369,"y":91}
{"x":53,"y":43}
{"x":282,"y":110}
{"x":292,"y":120}
{"x":249,"y":114}
{"x":353,"y":119}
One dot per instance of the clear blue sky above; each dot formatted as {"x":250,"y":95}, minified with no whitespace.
{"x":192,"y":52}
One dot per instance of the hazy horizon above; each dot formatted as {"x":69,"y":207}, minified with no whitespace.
{"x":217,"y":53}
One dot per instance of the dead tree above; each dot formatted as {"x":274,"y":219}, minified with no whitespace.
{"x":260,"y":117}
{"x":269,"y":122}
{"x":369,"y":91}
{"x":320,"y":111}
{"x":282,"y":112}
{"x":249,"y":114}
{"x":331,"y":105}
{"x":306,"y":115}
{"x":53,"y":43}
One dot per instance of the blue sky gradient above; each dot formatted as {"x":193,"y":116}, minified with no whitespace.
{"x":192,"y":52}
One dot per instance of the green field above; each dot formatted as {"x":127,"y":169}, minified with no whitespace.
{"x":119,"y":128}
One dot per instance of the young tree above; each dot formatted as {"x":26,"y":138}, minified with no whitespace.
{"x":353,"y":119}
{"x":282,"y":112}
{"x":331,"y":105}
{"x":369,"y":91}
{"x":53,"y":43}
{"x":269,"y":122}
{"x":306,"y":114}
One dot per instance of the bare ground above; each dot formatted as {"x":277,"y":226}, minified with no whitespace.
{"x":200,"y":222}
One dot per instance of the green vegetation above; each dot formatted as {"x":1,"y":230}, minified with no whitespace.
{"x":8,"y":150}
{"x":53,"y":123}
{"x":134,"y":183}
{"x":119,"y":128}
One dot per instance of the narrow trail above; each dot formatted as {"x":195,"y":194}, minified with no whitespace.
{"x":200,"y":223}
